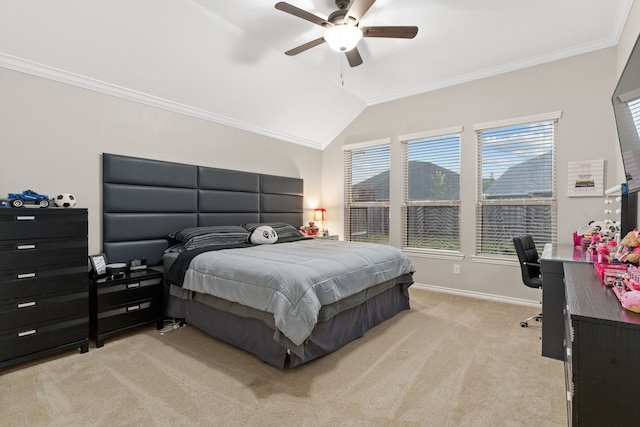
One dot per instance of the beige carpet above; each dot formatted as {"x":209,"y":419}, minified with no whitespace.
{"x":449,"y":361}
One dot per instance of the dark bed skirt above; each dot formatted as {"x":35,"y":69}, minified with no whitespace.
{"x":257,"y":338}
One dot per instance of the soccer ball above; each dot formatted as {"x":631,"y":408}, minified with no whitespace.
{"x":65,"y":200}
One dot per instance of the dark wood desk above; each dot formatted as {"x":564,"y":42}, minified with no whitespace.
{"x":553,"y":295}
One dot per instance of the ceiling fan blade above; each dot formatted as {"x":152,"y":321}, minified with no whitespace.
{"x":295,"y":11}
{"x":357,"y":10}
{"x":306,"y":46}
{"x":354,"y":58}
{"x":390,"y":32}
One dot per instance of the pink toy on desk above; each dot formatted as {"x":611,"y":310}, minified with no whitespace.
{"x":603,"y":253}
{"x":631,"y":301}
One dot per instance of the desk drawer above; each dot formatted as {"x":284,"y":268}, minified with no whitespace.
{"x":18,"y":313}
{"x":40,"y":282}
{"x":121,"y":293}
{"x":42,"y":223}
{"x":31,"y":253}
{"x":19,"y":342}
{"x":131,"y":314}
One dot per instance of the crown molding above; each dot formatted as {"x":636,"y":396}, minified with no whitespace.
{"x":501,"y":69}
{"x":66,"y":77}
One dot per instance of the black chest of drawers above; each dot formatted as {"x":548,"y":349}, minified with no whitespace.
{"x":121,"y":304}
{"x":44,"y":289}
{"x":602,"y":352}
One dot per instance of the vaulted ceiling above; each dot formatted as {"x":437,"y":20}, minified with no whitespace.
{"x":224,"y":60}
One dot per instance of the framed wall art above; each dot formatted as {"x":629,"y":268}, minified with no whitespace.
{"x":586,"y":178}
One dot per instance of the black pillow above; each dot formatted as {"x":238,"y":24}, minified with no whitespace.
{"x":197,"y":237}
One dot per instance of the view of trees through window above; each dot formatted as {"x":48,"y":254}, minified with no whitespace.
{"x":516,"y":186}
{"x":432,"y":193}
{"x":367,"y":194}
{"x":515,"y":181}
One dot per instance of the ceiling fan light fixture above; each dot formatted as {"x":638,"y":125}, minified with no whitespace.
{"x":342,"y":38}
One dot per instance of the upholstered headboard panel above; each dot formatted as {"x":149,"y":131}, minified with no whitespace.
{"x":144,"y":200}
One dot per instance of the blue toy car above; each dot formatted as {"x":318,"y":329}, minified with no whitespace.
{"x":18,"y":200}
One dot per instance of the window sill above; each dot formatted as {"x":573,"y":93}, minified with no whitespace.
{"x":495,"y":260}
{"x":434,"y":253}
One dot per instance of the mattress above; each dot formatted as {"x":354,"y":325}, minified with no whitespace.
{"x":292,"y":286}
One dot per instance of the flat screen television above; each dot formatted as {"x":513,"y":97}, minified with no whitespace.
{"x":626,"y":108}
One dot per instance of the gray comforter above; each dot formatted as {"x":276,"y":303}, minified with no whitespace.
{"x":293,"y":280}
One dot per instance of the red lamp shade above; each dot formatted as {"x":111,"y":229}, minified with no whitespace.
{"x":320,"y":214}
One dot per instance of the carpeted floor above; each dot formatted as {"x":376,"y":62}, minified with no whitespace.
{"x":449,"y":361}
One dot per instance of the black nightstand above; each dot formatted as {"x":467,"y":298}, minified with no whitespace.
{"x":329,"y":237}
{"x":121,"y":304}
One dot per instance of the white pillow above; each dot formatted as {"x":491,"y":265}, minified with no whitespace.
{"x":264,"y":235}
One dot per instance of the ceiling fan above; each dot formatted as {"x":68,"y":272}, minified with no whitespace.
{"x":342,"y":30}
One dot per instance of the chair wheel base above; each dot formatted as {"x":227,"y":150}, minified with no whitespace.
{"x":524,"y":324}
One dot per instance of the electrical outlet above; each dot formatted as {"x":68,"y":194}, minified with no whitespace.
{"x":456,"y":268}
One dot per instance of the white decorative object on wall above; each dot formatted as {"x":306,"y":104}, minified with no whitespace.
{"x":586,"y":178}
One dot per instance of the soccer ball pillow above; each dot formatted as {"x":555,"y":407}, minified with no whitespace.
{"x":263,"y":235}
{"x":65,"y":200}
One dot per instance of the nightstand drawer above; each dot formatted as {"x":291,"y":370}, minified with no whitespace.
{"x":109,"y":295}
{"x":18,"y":313}
{"x":19,"y":342}
{"x":25,"y":253}
{"x":42,"y":223}
{"x":41,"y":282}
{"x":129,"y":315}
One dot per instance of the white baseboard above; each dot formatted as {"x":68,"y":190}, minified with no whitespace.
{"x":479,"y":295}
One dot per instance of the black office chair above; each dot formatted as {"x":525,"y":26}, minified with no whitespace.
{"x":530,"y":267}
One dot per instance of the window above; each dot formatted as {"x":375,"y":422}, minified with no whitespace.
{"x":366,"y":170}
{"x":516,"y":184}
{"x":431,"y":204}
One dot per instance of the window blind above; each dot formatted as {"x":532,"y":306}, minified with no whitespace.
{"x":431,"y":203}
{"x":366,"y":171}
{"x":516,"y":186}
{"x":634,"y":107}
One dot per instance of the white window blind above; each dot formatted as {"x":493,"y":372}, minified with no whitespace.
{"x":431,"y":205}
{"x":516,"y":186}
{"x":366,"y":171}
{"x":634,"y":107}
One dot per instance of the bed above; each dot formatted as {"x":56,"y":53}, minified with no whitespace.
{"x":146,"y":201}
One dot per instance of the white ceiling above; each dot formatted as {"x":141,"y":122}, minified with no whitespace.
{"x":223,"y":60}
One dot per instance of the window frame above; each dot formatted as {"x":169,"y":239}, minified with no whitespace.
{"x":405,"y":140}
{"x":551,"y":201}
{"x":349,"y":203}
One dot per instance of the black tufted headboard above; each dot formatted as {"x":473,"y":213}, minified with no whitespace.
{"x":143,"y":200}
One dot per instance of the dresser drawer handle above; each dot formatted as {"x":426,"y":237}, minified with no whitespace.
{"x":27,"y":304}
{"x":26,"y":275}
{"x":26,"y":218}
{"x":133,"y":308}
{"x":23,"y":247}
{"x":133,"y":285}
{"x":26,"y":333}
